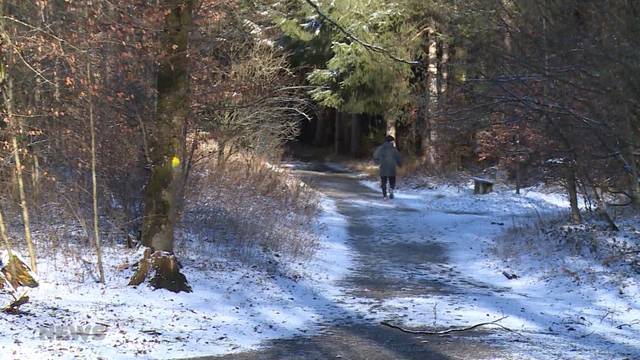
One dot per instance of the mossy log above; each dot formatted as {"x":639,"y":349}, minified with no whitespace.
{"x":162,"y":269}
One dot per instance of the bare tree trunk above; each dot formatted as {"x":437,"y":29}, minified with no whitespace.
{"x":319,"y":136}
{"x":601,"y":208}
{"x":167,"y":143}
{"x":429,"y":136}
{"x":8,"y":99}
{"x":94,"y":181}
{"x":444,"y":70}
{"x":35,"y":176}
{"x":336,"y":138}
{"x":23,"y":202}
{"x":167,"y":140}
{"x":5,"y":237}
{"x":572,"y":190}
{"x":518,"y":176}
{"x":355,"y":134}
{"x":14,"y":124}
{"x":634,"y":185}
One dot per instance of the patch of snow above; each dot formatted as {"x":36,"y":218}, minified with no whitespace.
{"x":554,"y":317}
{"x":233,"y":307}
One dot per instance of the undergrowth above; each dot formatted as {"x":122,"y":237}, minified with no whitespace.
{"x":249,"y":205}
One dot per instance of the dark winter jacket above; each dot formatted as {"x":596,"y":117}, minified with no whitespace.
{"x":388,"y":158}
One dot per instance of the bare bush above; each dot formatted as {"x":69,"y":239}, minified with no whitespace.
{"x":580,"y":251}
{"x":249,"y":204}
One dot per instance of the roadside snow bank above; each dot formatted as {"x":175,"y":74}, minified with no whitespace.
{"x":233,"y":306}
{"x":561,"y":315}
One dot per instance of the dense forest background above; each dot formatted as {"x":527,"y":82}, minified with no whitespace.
{"x":115,"y":112}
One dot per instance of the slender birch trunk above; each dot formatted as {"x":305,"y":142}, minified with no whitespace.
{"x":5,"y":237}
{"x":94,"y":181}
{"x":19,"y":176}
{"x":429,"y":136}
{"x":444,"y":70}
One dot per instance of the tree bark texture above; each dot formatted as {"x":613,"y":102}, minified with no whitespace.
{"x":429,"y":134}
{"x":94,"y":178}
{"x":356,"y":129}
{"x":572,"y":190}
{"x":168,"y":133}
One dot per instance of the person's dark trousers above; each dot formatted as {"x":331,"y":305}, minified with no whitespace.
{"x":392,"y":183}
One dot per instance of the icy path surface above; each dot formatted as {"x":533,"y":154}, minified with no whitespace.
{"x":424,"y":259}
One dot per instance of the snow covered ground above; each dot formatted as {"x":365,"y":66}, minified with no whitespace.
{"x":555,"y":315}
{"x":233,"y":306}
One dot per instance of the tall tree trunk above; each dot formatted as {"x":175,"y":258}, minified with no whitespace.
{"x":634,"y":185}
{"x":7,"y":63}
{"x":355,"y":134}
{"x":601,"y":208}
{"x":518,"y":176}
{"x":15,"y":127}
{"x":321,"y":123}
{"x":35,"y":176}
{"x":5,"y":237}
{"x":167,"y":143}
{"x":94,"y":178}
{"x":429,"y":135}
{"x":572,"y":190}
{"x":167,"y":140}
{"x":345,"y":145}
{"x":444,"y":70}
{"x":336,"y":133}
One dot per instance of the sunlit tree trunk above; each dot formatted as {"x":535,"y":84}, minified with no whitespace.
{"x":4,"y":235}
{"x":167,"y":141}
{"x":15,"y":127}
{"x":167,"y":136}
{"x":94,"y":181}
{"x":429,"y":135}
{"x":444,"y":70}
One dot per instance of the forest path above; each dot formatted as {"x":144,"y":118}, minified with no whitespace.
{"x":395,"y":256}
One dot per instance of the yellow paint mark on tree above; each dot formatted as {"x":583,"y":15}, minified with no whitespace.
{"x":175,"y":162}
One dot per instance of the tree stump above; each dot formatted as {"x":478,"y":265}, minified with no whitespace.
{"x":166,"y":272}
{"x":482,"y":186}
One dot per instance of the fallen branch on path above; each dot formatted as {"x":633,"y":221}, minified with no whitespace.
{"x":448,"y":331}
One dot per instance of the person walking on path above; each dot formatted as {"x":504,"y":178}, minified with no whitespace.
{"x":388,"y":157}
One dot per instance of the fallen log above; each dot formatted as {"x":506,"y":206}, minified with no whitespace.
{"x":448,"y":331}
{"x":13,"y":307}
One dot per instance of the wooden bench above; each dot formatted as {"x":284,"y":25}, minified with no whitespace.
{"x":482,"y":186}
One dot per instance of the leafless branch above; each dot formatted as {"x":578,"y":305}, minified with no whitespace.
{"x":444,"y":332}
